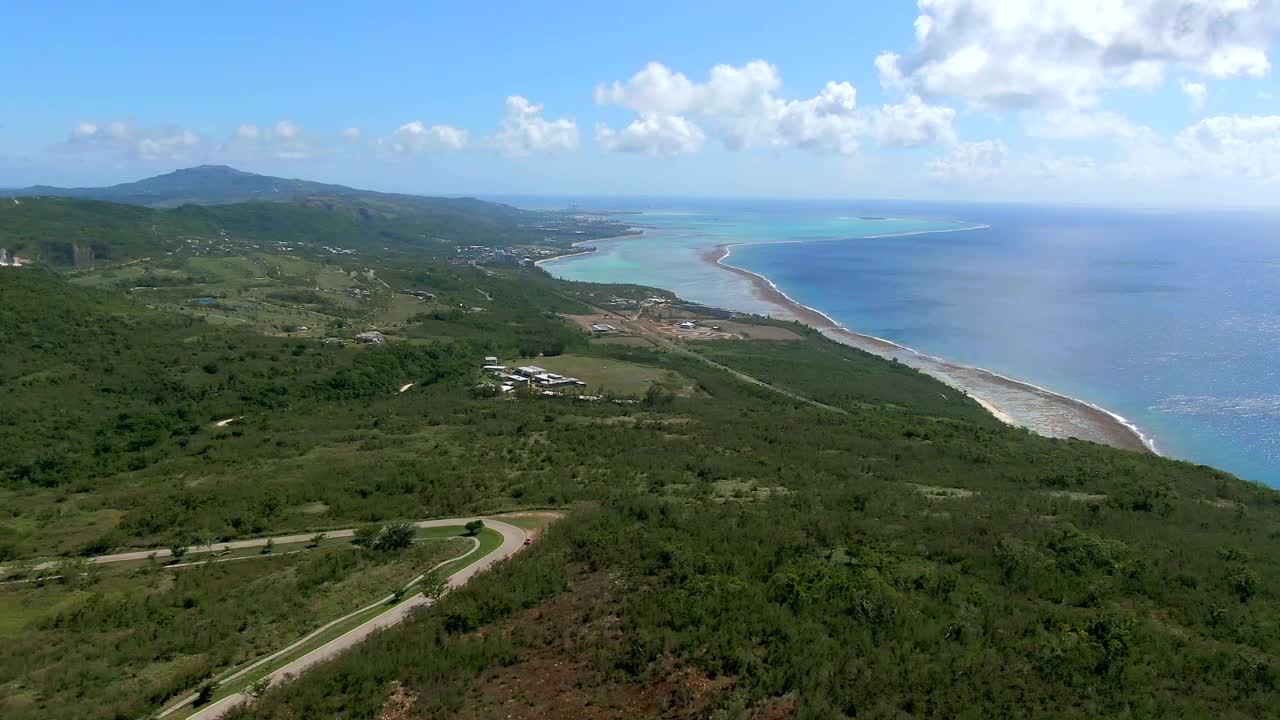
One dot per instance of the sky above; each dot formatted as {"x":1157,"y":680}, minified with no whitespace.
{"x":1147,"y":102}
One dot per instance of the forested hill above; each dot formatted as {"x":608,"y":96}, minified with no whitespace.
{"x":80,"y":232}
{"x":218,"y":184}
{"x":842,"y":537}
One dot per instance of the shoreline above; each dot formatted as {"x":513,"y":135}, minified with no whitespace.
{"x":1015,"y":402}
{"x":538,"y":263}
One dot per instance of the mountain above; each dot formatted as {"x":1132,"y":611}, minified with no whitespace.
{"x":214,"y":202}
{"x":219,"y":184}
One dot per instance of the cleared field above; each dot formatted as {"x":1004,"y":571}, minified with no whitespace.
{"x":612,"y":376}
{"x":272,"y":293}
{"x":749,"y":331}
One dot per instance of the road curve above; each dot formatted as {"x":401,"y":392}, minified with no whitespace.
{"x":512,"y":542}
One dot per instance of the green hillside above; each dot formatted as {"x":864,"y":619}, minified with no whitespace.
{"x":69,"y":231}
{"x":727,"y":549}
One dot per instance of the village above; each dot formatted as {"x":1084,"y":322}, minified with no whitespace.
{"x":528,"y":376}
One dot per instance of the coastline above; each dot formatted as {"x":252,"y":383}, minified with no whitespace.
{"x":538,"y":263}
{"x":1012,"y":401}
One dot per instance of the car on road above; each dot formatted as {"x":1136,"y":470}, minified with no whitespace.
{"x":528,"y":541}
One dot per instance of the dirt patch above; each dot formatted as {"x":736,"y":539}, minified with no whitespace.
{"x":1075,"y":496}
{"x":584,"y":322}
{"x":557,"y":674}
{"x":399,"y":704}
{"x":937,"y":492}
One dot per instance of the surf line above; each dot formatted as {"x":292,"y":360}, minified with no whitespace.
{"x":722,"y":252}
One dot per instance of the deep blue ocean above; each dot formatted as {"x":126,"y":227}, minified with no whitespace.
{"x":1168,"y":318}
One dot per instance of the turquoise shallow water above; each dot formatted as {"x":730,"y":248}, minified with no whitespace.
{"x":1171,"y":319}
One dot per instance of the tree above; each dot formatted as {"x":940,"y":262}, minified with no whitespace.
{"x":364,"y":536}
{"x":395,"y":536}
{"x":474,"y":526}
{"x":316,"y":540}
{"x":177,"y":550}
{"x":258,"y":687}
{"x":205,"y":694}
{"x":435,"y":585}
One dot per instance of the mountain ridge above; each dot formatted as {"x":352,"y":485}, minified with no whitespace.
{"x":223,"y":184}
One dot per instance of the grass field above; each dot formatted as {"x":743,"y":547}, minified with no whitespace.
{"x":603,"y":375}
{"x":624,"y":340}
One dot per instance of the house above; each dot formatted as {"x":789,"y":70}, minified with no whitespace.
{"x":495,"y":369}
{"x":530,"y":371}
{"x":686,"y":325}
{"x":373,"y":337}
{"x":602,"y":328}
{"x":491,"y":360}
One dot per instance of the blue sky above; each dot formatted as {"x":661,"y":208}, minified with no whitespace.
{"x":1149,"y":101}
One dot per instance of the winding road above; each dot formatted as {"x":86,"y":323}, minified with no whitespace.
{"x":513,"y":539}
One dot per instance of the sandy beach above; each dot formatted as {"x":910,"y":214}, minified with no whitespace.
{"x":1012,"y":401}
{"x":581,"y":243}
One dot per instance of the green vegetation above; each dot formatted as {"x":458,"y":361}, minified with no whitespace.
{"x":119,"y":643}
{"x":841,"y":376}
{"x":208,"y":209}
{"x":726,"y":549}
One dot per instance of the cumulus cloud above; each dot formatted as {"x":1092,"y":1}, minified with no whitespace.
{"x":654,"y":134}
{"x":525,"y":131}
{"x":352,"y":133}
{"x":1196,"y":93}
{"x":1001,"y":55}
{"x":1234,"y":145}
{"x":248,"y":131}
{"x":742,"y":108}
{"x":160,"y":143}
{"x":416,"y":137}
{"x":971,"y":161}
{"x":915,"y":123}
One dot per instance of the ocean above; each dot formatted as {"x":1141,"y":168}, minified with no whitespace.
{"x":1170,"y":319}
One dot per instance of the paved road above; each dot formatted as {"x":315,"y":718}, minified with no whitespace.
{"x":236,"y":545}
{"x":512,"y":542}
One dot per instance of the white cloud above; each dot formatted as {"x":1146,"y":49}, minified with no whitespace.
{"x":1265,"y":95}
{"x":352,"y":133}
{"x":160,"y":143}
{"x":525,"y":131}
{"x":1234,"y":146}
{"x":1067,"y":168}
{"x":970,"y":161}
{"x":741,"y":107}
{"x":284,"y":141}
{"x":1196,"y":92}
{"x":1002,"y":54}
{"x":286,"y":129}
{"x":1074,"y":124}
{"x":416,"y":137}
{"x":915,"y":123}
{"x":654,"y":134}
